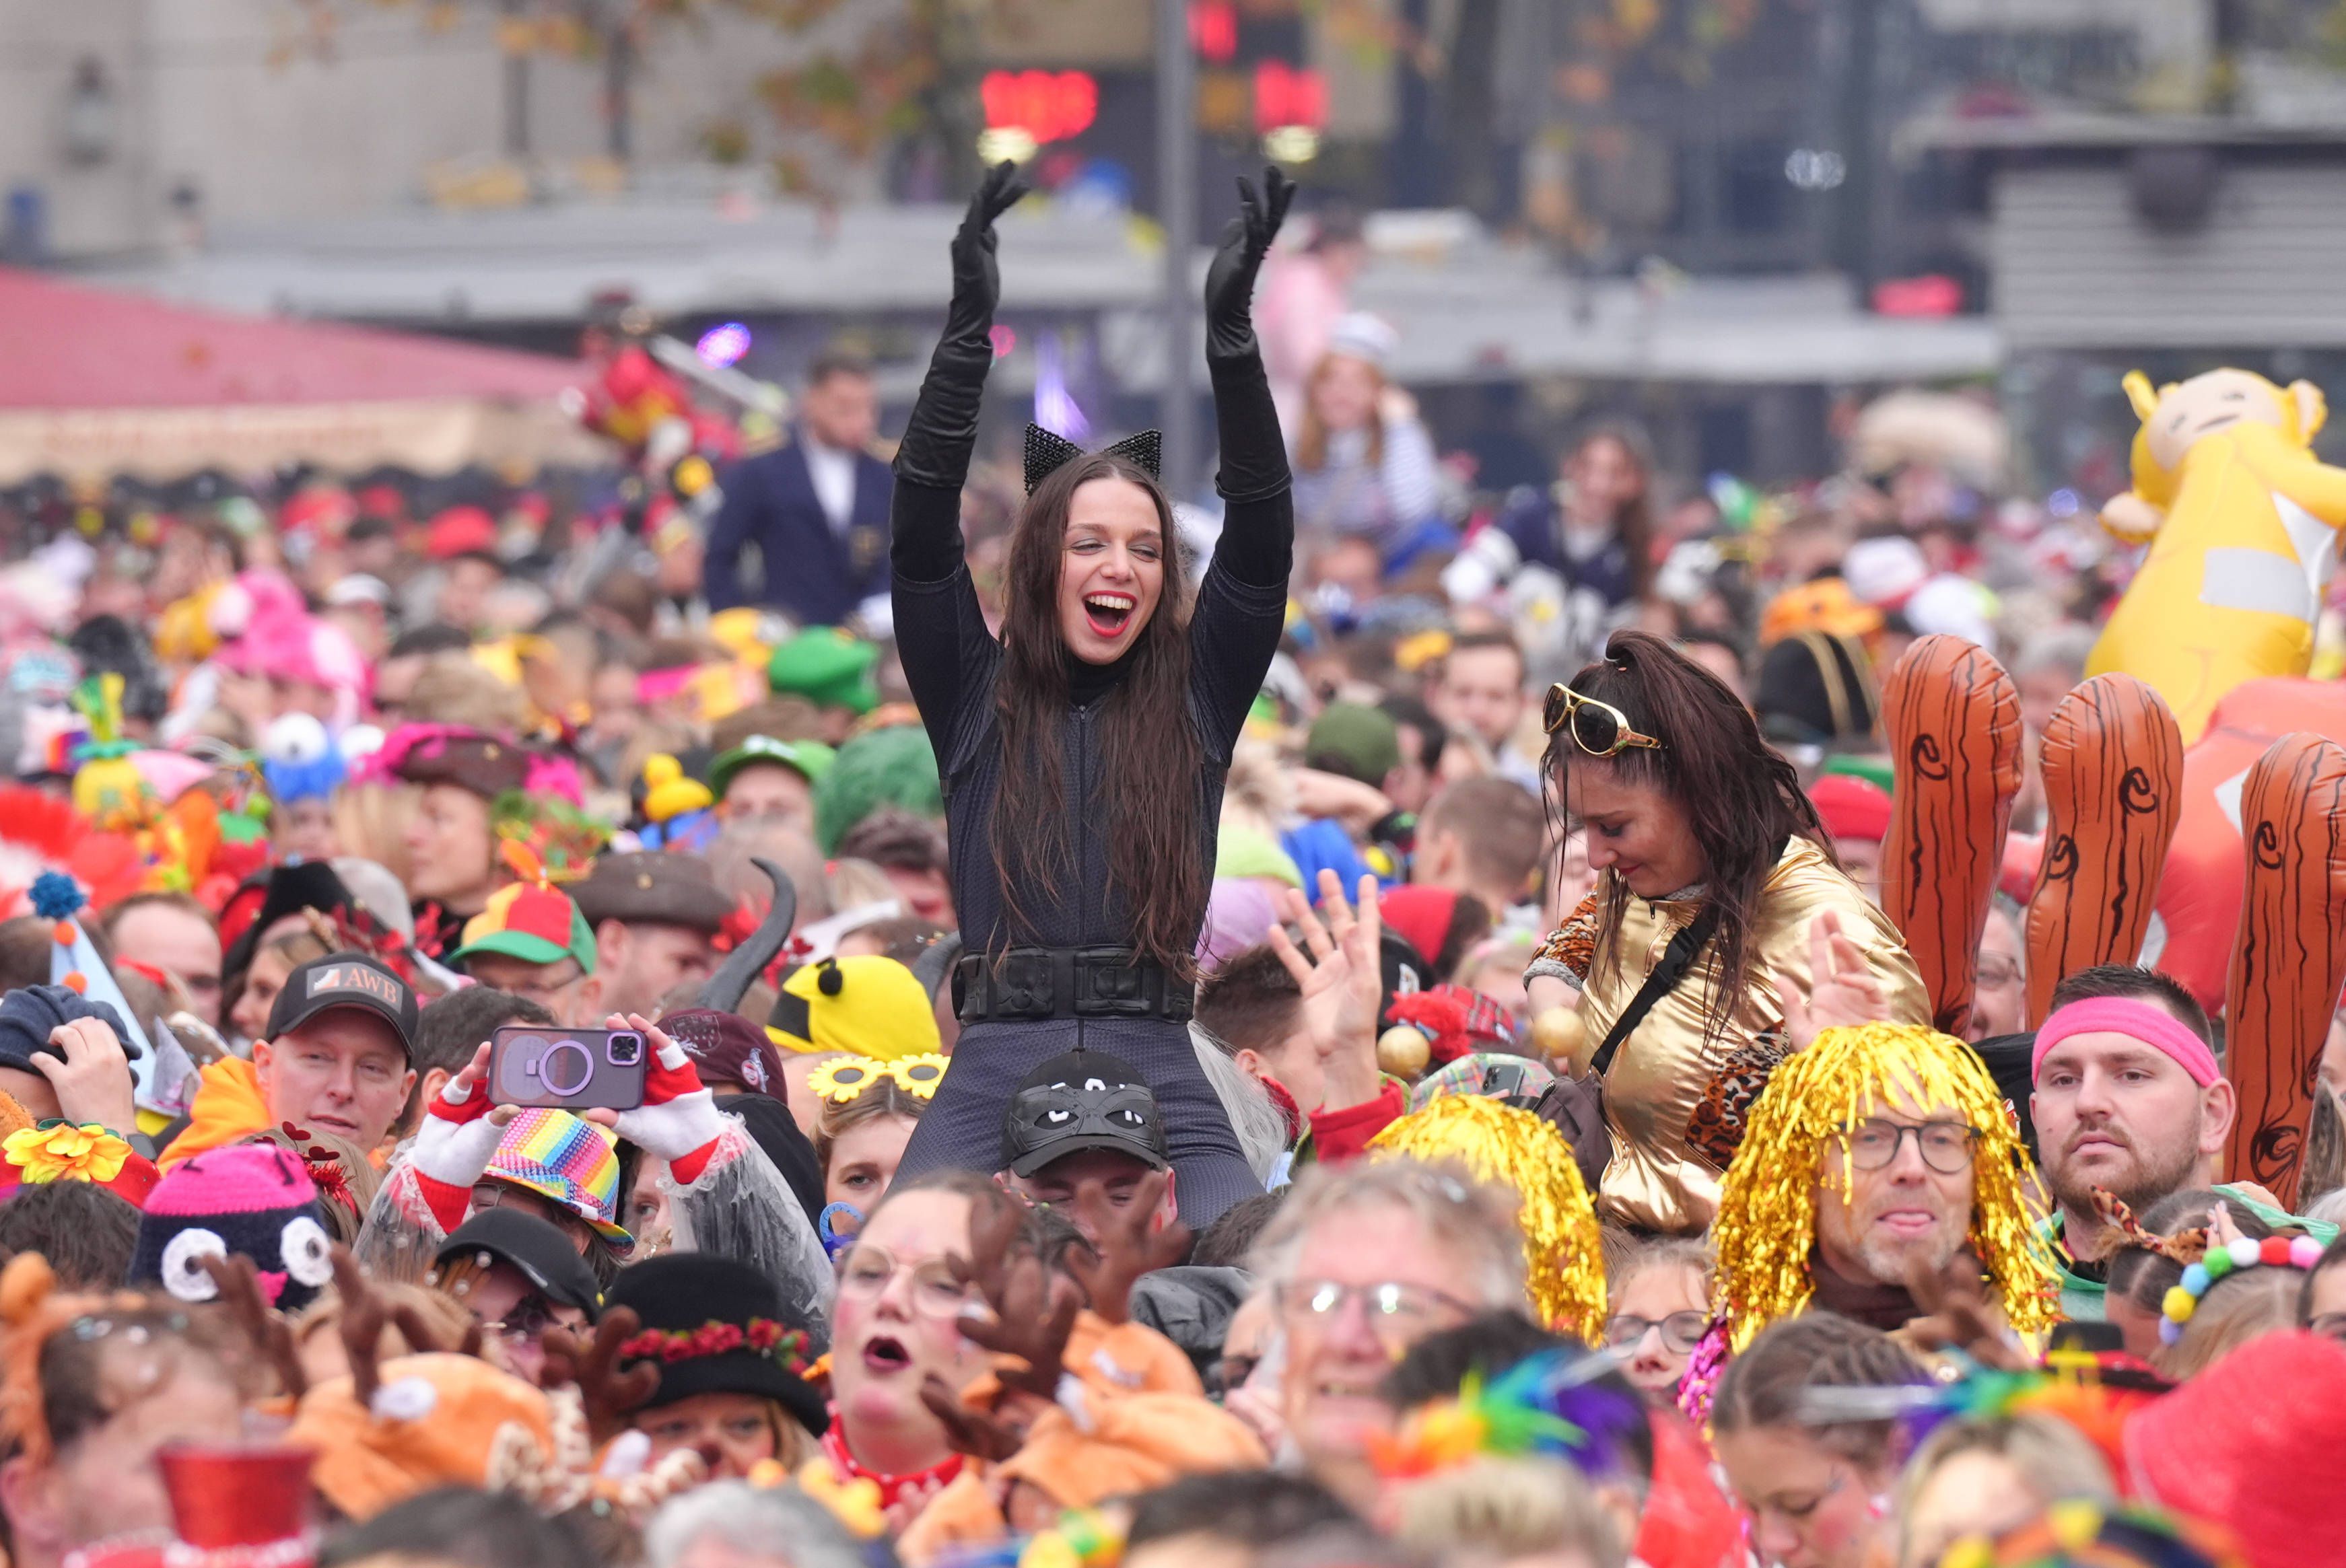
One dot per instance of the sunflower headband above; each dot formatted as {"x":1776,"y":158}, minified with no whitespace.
{"x":849,"y":1076}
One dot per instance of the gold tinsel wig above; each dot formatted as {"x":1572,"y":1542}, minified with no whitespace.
{"x":1767,"y":1222}
{"x":1497,"y":1142}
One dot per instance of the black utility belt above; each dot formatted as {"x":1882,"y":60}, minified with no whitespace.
{"x":1037,"y":983}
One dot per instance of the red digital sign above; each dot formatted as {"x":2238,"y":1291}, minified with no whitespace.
{"x":1214,"y":30}
{"x":1287,"y":95}
{"x":1049,"y":105}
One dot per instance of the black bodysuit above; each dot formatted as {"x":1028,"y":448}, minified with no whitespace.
{"x":951,"y":663}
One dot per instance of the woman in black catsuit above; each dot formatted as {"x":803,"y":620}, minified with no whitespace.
{"x":1083,"y":753}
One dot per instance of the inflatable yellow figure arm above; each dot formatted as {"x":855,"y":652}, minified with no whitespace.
{"x":2132,"y":516}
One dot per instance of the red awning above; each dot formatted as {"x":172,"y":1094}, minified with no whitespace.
{"x":93,"y":382}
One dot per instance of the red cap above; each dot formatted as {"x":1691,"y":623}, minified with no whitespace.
{"x":459,"y":531}
{"x":1421,"y":915}
{"x":2252,"y":1444}
{"x":1852,"y":808}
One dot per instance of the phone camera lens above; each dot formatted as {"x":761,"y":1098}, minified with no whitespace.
{"x":624,"y":1050}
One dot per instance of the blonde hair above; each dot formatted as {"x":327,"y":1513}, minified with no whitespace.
{"x":1626,"y":1258}
{"x":885,"y":1097}
{"x":453,"y":688}
{"x":1474,"y":1219}
{"x":2245,"y":1305}
{"x":371,"y":822}
{"x":1311,"y":434}
{"x":2057,"y":1461}
{"x":1494,"y":1509}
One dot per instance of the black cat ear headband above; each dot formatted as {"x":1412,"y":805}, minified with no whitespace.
{"x":1046,"y":452}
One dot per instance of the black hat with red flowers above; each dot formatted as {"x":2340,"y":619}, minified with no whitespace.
{"x":715,"y":1326}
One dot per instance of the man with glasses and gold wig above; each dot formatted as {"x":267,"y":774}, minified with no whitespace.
{"x":1880,"y":1157}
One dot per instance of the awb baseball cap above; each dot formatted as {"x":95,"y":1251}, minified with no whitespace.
{"x":344,"y":980}
{"x":1083,"y":1100}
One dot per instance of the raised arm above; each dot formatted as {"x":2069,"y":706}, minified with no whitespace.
{"x":933,"y":459}
{"x":1257,"y":542}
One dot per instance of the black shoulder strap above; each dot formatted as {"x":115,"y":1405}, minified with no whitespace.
{"x":1677,"y":959}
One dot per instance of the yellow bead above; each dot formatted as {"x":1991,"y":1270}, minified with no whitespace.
{"x":1403,"y":1052}
{"x":2179,"y":1304}
{"x":1558,"y":1034}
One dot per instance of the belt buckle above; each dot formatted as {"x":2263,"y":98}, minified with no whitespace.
{"x":1022,"y":985}
{"x":1108,"y":984}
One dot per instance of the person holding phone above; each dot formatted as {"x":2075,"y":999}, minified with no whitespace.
{"x":1084,"y":751}
{"x":725,"y":1196}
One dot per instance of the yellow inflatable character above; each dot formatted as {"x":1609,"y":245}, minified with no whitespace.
{"x":2242,"y":522}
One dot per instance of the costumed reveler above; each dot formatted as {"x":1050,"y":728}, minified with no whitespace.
{"x":724,"y":1195}
{"x":1083,"y":753}
{"x":1880,"y":1149}
{"x":1712,"y":867}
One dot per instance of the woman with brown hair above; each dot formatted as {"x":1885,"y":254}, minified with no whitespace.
{"x":1084,"y":752}
{"x":1717,"y":905}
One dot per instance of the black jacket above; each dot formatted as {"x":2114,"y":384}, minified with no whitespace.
{"x":812,"y":573}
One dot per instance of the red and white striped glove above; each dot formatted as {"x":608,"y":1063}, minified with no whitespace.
{"x":679,"y":1121}
{"x":454,"y":1147}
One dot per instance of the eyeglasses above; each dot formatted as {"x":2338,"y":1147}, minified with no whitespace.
{"x":529,"y":1318}
{"x":1945,"y":1146}
{"x":866,"y":1272}
{"x":1681,"y":1331}
{"x":1599,"y":728}
{"x":537,"y":988}
{"x":1395,"y":1312}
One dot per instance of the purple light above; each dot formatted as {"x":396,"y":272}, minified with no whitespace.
{"x":723,"y":346}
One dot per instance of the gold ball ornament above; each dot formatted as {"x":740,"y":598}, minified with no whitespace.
{"x":1403,"y":1052}
{"x":1559,"y":1034}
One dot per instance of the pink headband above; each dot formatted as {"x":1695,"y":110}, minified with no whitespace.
{"x":2123,"y":1015}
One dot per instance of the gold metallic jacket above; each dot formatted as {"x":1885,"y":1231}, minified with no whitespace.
{"x":1656,"y":1181}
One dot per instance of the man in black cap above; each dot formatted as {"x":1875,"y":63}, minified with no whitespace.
{"x":520,"y":1276}
{"x":337,"y":1059}
{"x":655,"y":916}
{"x":1082,"y":1135}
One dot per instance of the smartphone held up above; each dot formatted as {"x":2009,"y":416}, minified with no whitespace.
{"x":569,"y":1069}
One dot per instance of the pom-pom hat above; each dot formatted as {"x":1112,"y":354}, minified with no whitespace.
{"x":247,"y":1200}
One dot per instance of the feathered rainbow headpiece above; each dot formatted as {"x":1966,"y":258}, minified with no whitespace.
{"x":1767,"y":1224}
{"x":1549,"y":1404}
{"x":1499,"y":1142}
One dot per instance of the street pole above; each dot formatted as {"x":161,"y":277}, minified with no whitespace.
{"x":1177,"y":209}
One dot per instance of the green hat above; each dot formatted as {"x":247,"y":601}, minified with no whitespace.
{"x":827,"y":667}
{"x":1364,"y":739}
{"x":533,"y":923}
{"x":811,"y":759}
{"x":1873,"y":770}
{"x":891,"y":767}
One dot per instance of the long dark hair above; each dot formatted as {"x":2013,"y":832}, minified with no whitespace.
{"x":1741,"y":798}
{"x":1151,"y":755}
{"x":1633,"y":521}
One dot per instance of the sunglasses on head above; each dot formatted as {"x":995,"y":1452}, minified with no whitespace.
{"x":1599,"y":728}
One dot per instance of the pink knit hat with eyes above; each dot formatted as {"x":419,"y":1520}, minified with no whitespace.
{"x":247,"y":1200}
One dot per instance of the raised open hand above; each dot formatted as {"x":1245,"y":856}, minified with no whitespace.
{"x":1342,"y":981}
{"x":1841,"y":989}
{"x":589,"y":1361}
{"x":1128,"y":1247}
{"x":977,"y":279}
{"x":1229,"y":281}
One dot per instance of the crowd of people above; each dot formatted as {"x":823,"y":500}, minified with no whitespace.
{"x":1350,"y":1022}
